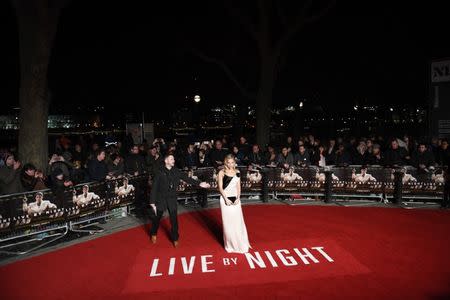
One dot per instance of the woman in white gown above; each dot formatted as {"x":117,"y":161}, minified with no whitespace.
{"x":234,"y":231}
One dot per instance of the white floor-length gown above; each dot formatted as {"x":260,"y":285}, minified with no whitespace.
{"x":234,"y":231}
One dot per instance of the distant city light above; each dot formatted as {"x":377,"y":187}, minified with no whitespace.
{"x":391,"y":109}
{"x":300,"y":104}
{"x":197,"y":98}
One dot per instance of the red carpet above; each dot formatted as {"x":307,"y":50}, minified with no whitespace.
{"x":298,"y":252}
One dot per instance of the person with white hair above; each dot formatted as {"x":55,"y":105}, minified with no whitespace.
{"x":406,"y":177}
{"x":254,"y":175}
{"x":321,"y":176}
{"x":125,"y":189}
{"x":438,"y":178}
{"x":291,"y":175}
{"x":85,"y":197}
{"x":38,"y":206}
{"x":362,"y":177}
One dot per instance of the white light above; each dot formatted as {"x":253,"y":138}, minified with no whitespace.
{"x":355,"y":107}
{"x":391,"y":109}
{"x":300,"y":104}
{"x":197,"y":98}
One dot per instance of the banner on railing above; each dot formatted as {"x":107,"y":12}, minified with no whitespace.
{"x":43,"y":208}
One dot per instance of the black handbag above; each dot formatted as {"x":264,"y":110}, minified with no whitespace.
{"x":232,"y":199}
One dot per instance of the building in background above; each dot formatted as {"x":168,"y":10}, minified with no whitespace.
{"x":439,"y":102}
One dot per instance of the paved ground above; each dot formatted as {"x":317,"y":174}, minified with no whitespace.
{"x":122,"y":223}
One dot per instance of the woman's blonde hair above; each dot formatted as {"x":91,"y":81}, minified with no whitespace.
{"x":227,"y":157}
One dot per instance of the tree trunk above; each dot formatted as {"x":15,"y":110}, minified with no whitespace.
{"x":37,"y":28}
{"x":264,"y":101}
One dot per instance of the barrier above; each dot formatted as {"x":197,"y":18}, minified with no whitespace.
{"x":352,"y":182}
{"x":47,"y":217}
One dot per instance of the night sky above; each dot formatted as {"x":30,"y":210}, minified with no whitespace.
{"x":139,"y":53}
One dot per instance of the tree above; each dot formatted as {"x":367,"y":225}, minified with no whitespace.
{"x":37,"y":23}
{"x":271,"y":49}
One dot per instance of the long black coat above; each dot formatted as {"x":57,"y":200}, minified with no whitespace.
{"x":164,"y":187}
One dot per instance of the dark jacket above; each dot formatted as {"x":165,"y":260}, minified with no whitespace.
{"x":135,"y":163}
{"x":153,"y":164}
{"x":443,"y":157}
{"x":375,"y":160}
{"x":395,"y":157}
{"x":288,"y":159}
{"x":28,"y":182}
{"x":97,"y":170}
{"x":164,"y":187}
{"x":360,"y":159}
{"x":217,"y":156}
{"x":256,"y":158}
{"x":114,"y":169}
{"x":10,"y":180}
{"x":426,"y":158}
{"x":189,"y":160}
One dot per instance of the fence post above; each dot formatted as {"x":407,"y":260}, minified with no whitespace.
{"x":446,"y":196}
{"x":398,"y":186}
{"x":328,"y":186}
{"x":265,"y":185}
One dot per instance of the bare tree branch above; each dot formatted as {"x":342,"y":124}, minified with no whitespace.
{"x":297,"y":26}
{"x":243,"y":19}
{"x":57,"y":6}
{"x":281,"y":14}
{"x":224,"y":68}
{"x":322,"y":13}
{"x":264,"y":41}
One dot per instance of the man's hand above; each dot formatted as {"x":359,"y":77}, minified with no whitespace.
{"x":68,"y":183}
{"x":154,"y":207}
{"x":205,"y":185}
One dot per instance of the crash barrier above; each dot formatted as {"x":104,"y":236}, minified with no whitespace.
{"x":329,"y":183}
{"x":24,"y":218}
{"x":47,"y":215}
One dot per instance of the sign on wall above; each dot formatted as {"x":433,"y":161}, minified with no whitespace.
{"x":440,"y":71}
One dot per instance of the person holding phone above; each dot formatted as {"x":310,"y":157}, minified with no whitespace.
{"x":234,"y":230}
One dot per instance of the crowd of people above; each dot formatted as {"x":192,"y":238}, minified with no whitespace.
{"x":76,"y":161}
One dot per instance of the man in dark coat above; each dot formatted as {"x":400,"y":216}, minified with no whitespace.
{"x":10,"y":176}
{"x":164,"y":195}
{"x":97,"y":168}
{"x":135,"y":162}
